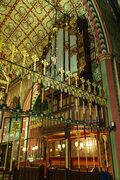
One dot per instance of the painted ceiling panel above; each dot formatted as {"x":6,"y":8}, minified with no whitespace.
{"x":27,"y":23}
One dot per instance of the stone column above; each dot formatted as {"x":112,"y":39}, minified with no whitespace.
{"x":112,"y":109}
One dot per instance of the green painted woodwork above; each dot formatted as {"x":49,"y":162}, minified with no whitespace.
{"x":96,"y":71}
{"x":112,"y":135}
{"x":38,"y":107}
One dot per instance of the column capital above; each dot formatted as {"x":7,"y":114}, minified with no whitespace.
{"x":104,"y":56}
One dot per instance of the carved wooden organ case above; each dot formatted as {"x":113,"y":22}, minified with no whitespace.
{"x":67,"y":55}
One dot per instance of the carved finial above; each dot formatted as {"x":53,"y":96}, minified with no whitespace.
{"x":76,"y":79}
{"x":94,"y":86}
{"x":69,"y":75}
{"x":83,"y":81}
{"x":89,"y":86}
{"x":35,"y":59}
{"x":45,"y":64}
{"x":25,"y":55}
{"x":61,"y":70}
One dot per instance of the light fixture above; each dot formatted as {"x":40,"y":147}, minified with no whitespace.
{"x":33,"y":148}
{"x":112,"y":126}
{"x":63,"y":146}
{"x":89,"y":143}
{"x":51,"y":150}
{"x":81,"y":145}
{"x":59,"y":146}
{"x":76,"y":143}
{"x":24,"y":149}
{"x":36,"y":147}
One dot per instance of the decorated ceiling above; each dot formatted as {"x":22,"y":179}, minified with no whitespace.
{"x":26,"y":24}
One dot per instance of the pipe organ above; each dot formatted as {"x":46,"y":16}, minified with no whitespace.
{"x":68,"y":121}
{"x":66,"y":51}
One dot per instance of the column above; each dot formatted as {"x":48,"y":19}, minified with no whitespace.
{"x":67,"y":148}
{"x":112,"y":109}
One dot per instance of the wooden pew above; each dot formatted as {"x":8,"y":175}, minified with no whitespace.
{"x":62,"y":174}
{"x":29,"y":173}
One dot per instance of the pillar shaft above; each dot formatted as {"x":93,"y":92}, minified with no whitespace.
{"x":67,"y":148}
{"x":112,"y":109}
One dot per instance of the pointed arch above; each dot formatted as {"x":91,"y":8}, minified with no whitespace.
{"x":36,"y":93}
{"x":98,"y":25}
